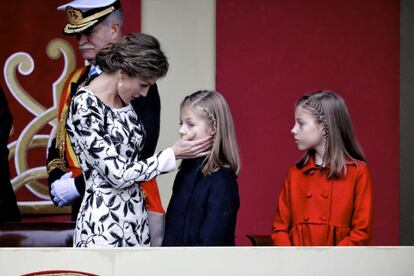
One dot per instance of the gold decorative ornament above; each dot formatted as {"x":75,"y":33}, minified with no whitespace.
{"x":29,"y":138}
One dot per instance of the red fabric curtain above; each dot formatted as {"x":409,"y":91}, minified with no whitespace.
{"x":269,"y":53}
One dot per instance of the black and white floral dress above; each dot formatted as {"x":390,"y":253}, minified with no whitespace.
{"x":107,"y":143}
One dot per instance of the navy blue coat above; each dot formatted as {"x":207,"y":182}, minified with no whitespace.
{"x":203,"y":209}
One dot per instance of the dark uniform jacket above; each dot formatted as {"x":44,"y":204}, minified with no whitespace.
{"x":203,"y":209}
{"x":8,"y":204}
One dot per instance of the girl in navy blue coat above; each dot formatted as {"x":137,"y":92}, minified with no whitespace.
{"x":205,"y":200}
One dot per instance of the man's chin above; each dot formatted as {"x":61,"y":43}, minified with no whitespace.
{"x":90,"y":60}
{"x":89,"y":57}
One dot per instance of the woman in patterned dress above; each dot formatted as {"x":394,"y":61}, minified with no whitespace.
{"x":107,"y":136}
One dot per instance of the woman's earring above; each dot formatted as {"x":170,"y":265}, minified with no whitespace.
{"x":119,"y":83}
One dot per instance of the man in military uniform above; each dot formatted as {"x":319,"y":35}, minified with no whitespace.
{"x":95,"y":24}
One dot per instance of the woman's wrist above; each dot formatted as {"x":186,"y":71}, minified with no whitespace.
{"x":167,"y":160}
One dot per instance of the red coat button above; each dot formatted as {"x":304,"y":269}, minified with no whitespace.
{"x":309,"y":195}
{"x":306,"y":218}
{"x":323,"y":218}
{"x":325,"y":195}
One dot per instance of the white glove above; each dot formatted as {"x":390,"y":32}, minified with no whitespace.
{"x":64,"y":190}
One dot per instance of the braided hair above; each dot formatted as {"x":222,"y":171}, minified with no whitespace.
{"x":330,"y":111}
{"x":224,"y":152}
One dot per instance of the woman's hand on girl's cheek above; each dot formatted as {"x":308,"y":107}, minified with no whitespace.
{"x":187,"y":149}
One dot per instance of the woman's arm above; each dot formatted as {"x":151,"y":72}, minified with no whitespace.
{"x":87,"y":126}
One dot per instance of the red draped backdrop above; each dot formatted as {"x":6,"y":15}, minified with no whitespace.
{"x":271,"y":52}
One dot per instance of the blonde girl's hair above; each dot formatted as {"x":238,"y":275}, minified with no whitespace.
{"x":341,"y":146}
{"x":213,"y":107}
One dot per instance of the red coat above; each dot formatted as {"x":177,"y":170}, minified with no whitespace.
{"x":315,"y":210}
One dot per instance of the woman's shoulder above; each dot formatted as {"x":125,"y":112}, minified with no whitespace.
{"x":86,"y":98}
{"x":85,"y":104}
{"x":82,"y":94}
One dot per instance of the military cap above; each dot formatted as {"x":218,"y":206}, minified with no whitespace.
{"x":84,"y":14}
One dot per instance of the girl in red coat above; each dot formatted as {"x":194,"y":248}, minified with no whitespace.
{"x":326,"y":199}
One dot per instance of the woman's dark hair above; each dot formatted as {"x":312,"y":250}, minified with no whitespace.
{"x":137,"y":54}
